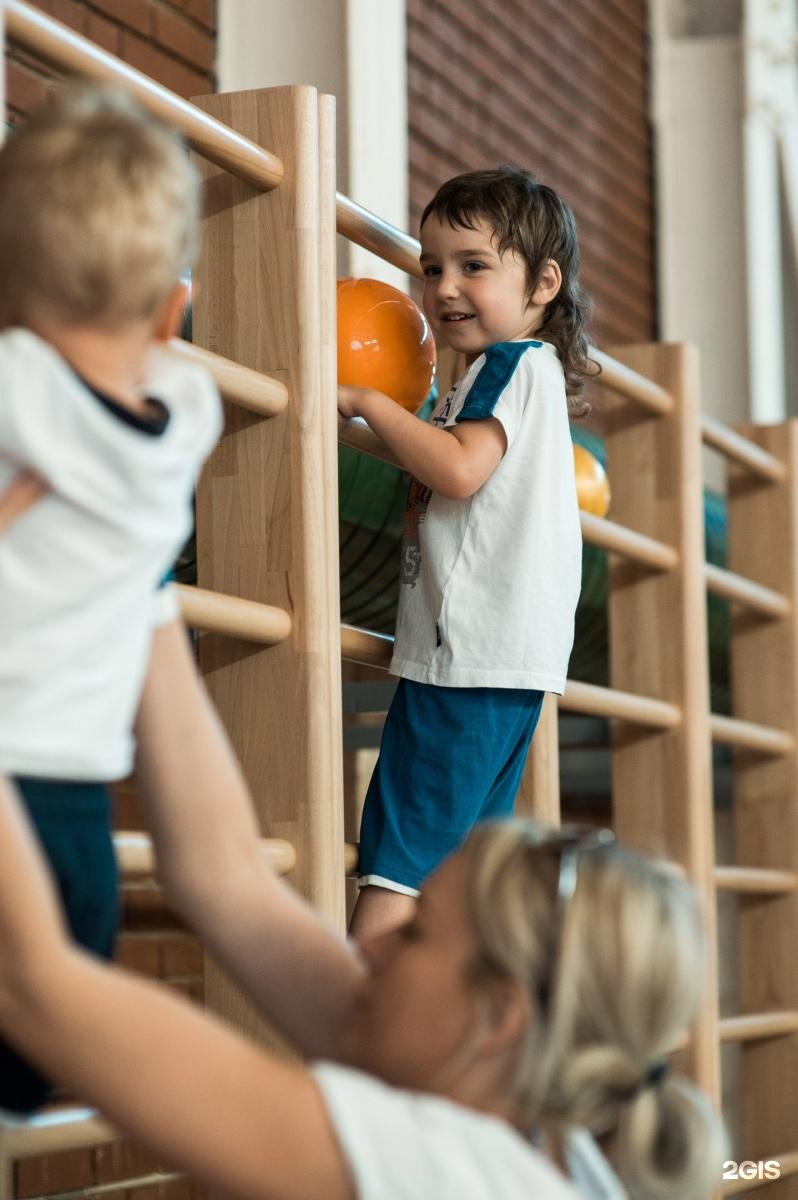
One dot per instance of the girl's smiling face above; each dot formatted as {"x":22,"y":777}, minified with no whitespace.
{"x":473,"y":296}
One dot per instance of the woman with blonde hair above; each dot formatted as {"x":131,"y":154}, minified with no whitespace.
{"x":481,"y":1051}
{"x":615,"y":965}
{"x":524,"y":1011}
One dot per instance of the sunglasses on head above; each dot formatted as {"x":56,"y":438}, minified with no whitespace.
{"x":571,"y":845}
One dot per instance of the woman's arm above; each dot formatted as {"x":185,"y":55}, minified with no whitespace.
{"x":176,"y":1079}
{"x":300,"y":973}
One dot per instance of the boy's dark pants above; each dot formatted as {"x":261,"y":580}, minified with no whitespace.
{"x":72,"y":821}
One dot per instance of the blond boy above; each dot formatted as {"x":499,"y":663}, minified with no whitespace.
{"x":98,"y":222}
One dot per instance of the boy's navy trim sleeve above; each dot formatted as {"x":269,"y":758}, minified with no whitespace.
{"x":500,"y":363}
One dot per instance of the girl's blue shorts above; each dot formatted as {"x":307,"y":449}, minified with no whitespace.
{"x":449,"y":757}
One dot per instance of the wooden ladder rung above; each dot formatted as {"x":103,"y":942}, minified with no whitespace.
{"x":363,"y":646}
{"x":52,"y":1131}
{"x":614,"y":704}
{"x":747,"y":735}
{"x":755,"y":596}
{"x":135,"y":855}
{"x":622,"y":379}
{"x":628,"y":543}
{"x":212,"y":612}
{"x":743,"y":451}
{"x":240,"y":385}
{"x":755,"y":881}
{"x":753,"y":1026}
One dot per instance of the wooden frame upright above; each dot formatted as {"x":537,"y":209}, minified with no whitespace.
{"x":662,"y":779}
{"x":267,"y":501}
{"x":763,"y":544}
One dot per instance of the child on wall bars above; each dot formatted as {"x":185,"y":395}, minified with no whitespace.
{"x":99,"y":210}
{"x":491,"y":560}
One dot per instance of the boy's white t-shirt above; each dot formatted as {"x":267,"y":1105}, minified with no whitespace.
{"x":489,"y":584}
{"x":80,"y":570}
{"x":403,"y":1145}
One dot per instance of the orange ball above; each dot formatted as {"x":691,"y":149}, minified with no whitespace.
{"x":384,"y":342}
{"x":592,"y":484}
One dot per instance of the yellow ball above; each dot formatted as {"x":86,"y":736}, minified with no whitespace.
{"x":592,"y":484}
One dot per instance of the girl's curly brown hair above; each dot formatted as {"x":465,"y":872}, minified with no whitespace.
{"x":531,"y":219}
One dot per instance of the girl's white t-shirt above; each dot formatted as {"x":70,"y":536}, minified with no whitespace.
{"x":489,"y":584}
{"x":403,"y":1145}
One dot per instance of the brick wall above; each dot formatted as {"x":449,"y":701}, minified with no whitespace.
{"x":173,"y":41}
{"x":559,"y":88}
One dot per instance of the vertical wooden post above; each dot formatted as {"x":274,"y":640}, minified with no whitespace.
{"x":539,"y":794}
{"x":662,"y":781}
{"x":763,"y":545}
{"x":267,"y":507}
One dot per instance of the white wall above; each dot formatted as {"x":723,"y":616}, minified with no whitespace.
{"x":268,"y":43}
{"x":725,"y":110}
{"x":700,"y":225}
{"x":378,"y":156}
{"x":354,"y":49}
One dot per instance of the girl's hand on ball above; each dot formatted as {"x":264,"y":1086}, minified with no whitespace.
{"x":349,"y":400}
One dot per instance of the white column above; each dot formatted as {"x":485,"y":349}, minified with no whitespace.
{"x":771,"y":120}
{"x":725,"y":107}
{"x":2,"y":74}
{"x":355,"y":49}
{"x":700,"y":224}
{"x":764,"y":308}
{"x":376,"y":50}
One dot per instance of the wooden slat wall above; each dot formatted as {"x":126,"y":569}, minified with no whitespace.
{"x":561,"y":89}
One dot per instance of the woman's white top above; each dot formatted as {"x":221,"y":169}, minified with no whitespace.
{"x":403,"y":1145}
{"x":80,"y":570}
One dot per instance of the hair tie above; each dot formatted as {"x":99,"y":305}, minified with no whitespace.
{"x":655,"y":1074}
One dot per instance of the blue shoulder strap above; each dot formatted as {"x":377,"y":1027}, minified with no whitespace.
{"x":500,"y":363}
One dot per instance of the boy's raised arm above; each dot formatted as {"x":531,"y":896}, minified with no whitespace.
{"x":301,"y":974}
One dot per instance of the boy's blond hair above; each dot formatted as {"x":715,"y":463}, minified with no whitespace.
{"x":99,"y":211}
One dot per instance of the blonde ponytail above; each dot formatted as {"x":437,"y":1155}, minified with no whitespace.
{"x":613,"y":979}
{"x":669,"y":1143}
